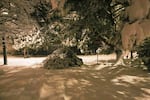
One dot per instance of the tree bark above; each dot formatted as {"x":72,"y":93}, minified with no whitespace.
{"x":57,"y":4}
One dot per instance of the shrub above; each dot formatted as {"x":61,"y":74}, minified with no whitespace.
{"x":144,"y":52}
{"x":62,"y":58}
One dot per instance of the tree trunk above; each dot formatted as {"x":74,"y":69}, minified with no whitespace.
{"x":131,"y":54}
{"x":119,"y":58}
{"x":25,"y":52}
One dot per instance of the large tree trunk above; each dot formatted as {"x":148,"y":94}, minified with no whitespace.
{"x":54,"y":4}
{"x":58,"y":4}
{"x":119,"y":58}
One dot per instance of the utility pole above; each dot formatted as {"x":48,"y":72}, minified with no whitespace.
{"x":4,"y":49}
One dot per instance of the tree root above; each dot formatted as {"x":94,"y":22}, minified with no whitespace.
{"x":120,"y":62}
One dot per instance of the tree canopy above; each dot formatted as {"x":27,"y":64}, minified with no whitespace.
{"x":85,"y":25}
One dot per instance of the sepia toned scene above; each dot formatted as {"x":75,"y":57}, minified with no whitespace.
{"x":75,"y":50}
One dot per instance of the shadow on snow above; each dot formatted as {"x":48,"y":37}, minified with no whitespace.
{"x":85,"y":83}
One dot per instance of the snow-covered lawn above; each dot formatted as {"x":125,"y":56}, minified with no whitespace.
{"x":93,"y":82}
{"x":32,"y":61}
{"x":20,"y":61}
{"x":92,"y":59}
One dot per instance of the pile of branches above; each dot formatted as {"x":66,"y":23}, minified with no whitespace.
{"x":62,"y":58}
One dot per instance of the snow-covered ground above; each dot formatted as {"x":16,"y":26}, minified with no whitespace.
{"x":20,"y":61}
{"x":32,"y":61}
{"x":93,"y":82}
{"x":92,"y":59}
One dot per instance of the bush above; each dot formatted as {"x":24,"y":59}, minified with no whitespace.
{"x":144,"y":52}
{"x":62,"y":58}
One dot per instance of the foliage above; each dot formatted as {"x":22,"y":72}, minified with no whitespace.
{"x":15,"y":15}
{"x":31,"y":40}
{"x":16,"y":22}
{"x":40,"y":12}
{"x":96,"y":17}
{"x":54,"y":28}
{"x":87,"y":24}
{"x":144,"y":52}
